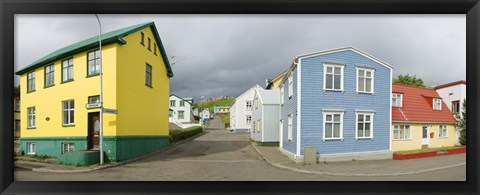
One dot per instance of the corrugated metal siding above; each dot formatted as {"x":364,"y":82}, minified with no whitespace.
{"x":290,"y":106}
{"x":314,"y":99}
{"x":271,"y":123}
{"x":256,"y":115}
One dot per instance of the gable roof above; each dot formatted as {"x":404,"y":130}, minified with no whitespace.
{"x":271,"y":81}
{"x":115,"y":36}
{"x":268,"y":96}
{"x":451,"y":84}
{"x":180,"y":98}
{"x":329,"y":51}
{"x":245,"y":93}
{"x":417,"y":105}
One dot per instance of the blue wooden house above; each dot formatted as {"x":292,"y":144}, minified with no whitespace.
{"x":338,"y":101}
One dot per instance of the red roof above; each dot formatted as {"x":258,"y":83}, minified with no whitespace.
{"x":417,"y":105}
{"x":451,"y":84}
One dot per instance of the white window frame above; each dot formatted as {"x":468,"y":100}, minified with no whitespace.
{"x":372,"y":77}
{"x":281,"y":95}
{"x":93,"y":63}
{"x":172,"y":103}
{"x":68,"y":110}
{"x":170,"y":113}
{"x":290,"y":85}
{"x":181,"y":114}
{"x":68,"y":147}
{"x":397,"y":96}
{"x":248,"y":105}
{"x":30,"y":82}
{"x":456,"y":107}
{"x":248,"y":119}
{"x":435,"y":101}
{"x":290,"y":127}
{"x":31,"y":146}
{"x":31,"y":116}
{"x":400,"y":129}
{"x":333,"y":113}
{"x":67,"y":70}
{"x":182,"y":103}
{"x":17,"y":104}
{"x":364,"y":113}
{"x":440,"y":129}
{"x":49,"y":76}
{"x":342,"y":75}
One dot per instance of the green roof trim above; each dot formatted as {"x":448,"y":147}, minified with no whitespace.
{"x":91,"y":43}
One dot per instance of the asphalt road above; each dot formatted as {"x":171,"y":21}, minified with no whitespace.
{"x":216,"y":156}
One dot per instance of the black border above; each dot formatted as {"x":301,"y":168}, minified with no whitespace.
{"x":10,"y":7}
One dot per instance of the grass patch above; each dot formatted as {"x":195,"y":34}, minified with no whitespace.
{"x":226,"y":120}
{"x":213,"y":103}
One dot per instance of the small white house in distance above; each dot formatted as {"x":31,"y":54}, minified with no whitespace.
{"x":180,"y":110}
{"x":453,"y":94}
{"x":205,"y":114}
{"x":241,"y":111}
{"x":266,"y":116}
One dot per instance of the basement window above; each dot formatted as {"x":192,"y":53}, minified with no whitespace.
{"x":67,"y":147}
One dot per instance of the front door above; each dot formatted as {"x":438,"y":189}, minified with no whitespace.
{"x":93,"y":130}
{"x":425,"y":138}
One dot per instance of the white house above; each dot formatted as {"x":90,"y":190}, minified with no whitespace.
{"x":205,"y":114}
{"x":180,"y":110}
{"x":266,"y":116}
{"x":241,"y":111}
{"x":453,"y":94}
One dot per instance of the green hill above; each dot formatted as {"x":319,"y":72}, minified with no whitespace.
{"x":211,"y":104}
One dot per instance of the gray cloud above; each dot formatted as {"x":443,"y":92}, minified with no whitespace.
{"x":227,"y":54}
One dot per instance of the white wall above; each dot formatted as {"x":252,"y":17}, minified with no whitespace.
{"x":453,"y":93}
{"x":239,"y":110}
{"x":187,"y":109}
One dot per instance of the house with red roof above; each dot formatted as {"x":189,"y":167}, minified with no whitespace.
{"x":420,"y":119}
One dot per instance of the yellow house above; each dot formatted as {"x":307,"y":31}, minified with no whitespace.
{"x":275,"y":82}
{"x":420,"y":119}
{"x":60,"y":96}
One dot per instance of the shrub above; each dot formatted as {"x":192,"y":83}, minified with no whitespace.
{"x":181,"y":134}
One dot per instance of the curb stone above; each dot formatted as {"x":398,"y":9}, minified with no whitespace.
{"x":351,"y":174}
{"x":46,"y":170}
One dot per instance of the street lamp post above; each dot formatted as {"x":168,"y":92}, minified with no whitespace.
{"x":101,"y":91}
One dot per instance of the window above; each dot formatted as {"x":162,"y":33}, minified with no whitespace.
{"x":172,"y":103}
{"x":396,"y":99}
{"x":94,"y":99}
{"x":17,"y":104}
{"x":365,"y":80}
{"x":401,"y":132}
{"x":170,"y":113}
{"x":182,"y":103}
{"x":31,"y":82}
{"x":148,"y":75}
{"x":155,"y":48}
{"x":255,"y":103}
{"x":148,"y":44}
{"x":456,"y":107}
{"x":180,"y":114}
{"x":17,"y":127}
{"x":437,"y":104}
{"x":248,"y":105}
{"x":248,"y":119}
{"x":290,"y":85}
{"x":31,"y":148}
{"x":333,"y":77}
{"x":67,"y":70}
{"x":31,"y":117}
{"x":281,"y":95}
{"x":259,"y":127}
{"x":254,"y":126}
{"x":49,"y":76}
{"x":364,"y":125}
{"x":290,"y":127}
{"x":94,"y":63}
{"x":67,"y":147}
{"x":68,"y":112}
{"x":142,"y":38}
{"x":332,"y":125}
{"x":442,"y":131}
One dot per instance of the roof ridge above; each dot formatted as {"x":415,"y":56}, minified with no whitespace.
{"x":412,"y":86}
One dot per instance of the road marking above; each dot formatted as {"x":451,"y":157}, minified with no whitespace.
{"x":209,"y":161}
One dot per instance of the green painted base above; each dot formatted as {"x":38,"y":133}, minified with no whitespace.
{"x":116,"y":148}
{"x":80,"y":158}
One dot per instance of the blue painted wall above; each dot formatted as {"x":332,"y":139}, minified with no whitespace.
{"x":314,"y":99}
{"x":289,"y":106}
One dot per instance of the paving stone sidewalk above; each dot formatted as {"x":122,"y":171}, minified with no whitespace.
{"x":275,"y":157}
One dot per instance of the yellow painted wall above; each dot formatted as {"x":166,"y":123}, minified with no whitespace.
{"x":276,"y":82}
{"x":415,"y":142}
{"x":48,"y":101}
{"x":142,"y":110}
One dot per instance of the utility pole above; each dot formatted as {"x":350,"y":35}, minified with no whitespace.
{"x":101,"y":91}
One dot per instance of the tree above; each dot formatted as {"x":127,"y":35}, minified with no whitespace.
{"x":16,"y":90}
{"x":462,"y":124}
{"x":409,"y":80}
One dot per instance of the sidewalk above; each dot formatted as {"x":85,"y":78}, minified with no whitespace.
{"x":58,"y":168}
{"x":274,"y":157}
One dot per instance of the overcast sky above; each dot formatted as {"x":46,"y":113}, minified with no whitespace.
{"x":219,"y":55}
